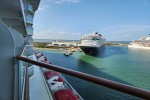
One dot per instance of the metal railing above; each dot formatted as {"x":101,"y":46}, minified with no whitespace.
{"x":29,"y":18}
{"x":29,"y":30}
{"x":94,"y":79}
{"x":24,"y":79}
{"x":30,"y":8}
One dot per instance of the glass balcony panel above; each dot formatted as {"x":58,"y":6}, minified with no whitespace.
{"x":29,"y":18}
{"x":29,"y":30}
{"x":30,"y":8}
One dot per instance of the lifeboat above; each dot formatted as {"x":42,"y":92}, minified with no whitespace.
{"x":36,"y":51}
{"x":50,"y":74}
{"x":55,"y":81}
{"x":55,"y":85}
{"x":66,"y":94}
{"x":60,"y":88}
{"x":46,"y":60}
{"x":38,"y":55}
{"x":41,"y":59}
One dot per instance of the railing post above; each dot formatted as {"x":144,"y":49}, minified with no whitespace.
{"x":26,"y":93}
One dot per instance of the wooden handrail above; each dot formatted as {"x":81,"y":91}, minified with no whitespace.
{"x":94,"y":79}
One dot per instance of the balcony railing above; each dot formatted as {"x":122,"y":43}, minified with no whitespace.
{"x":29,"y":30}
{"x":30,"y":8}
{"x":23,"y":74}
{"x":28,"y":70}
{"x":29,"y":19}
{"x":141,"y":93}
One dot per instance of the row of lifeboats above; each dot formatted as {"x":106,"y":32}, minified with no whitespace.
{"x":57,"y":84}
{"x":41,"y":58}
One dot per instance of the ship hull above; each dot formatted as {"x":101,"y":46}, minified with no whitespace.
{"x":90,"y":50}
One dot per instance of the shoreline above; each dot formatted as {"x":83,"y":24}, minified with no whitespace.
{"x":60,"y":49}
{"x":139,"y":47}
{"x":46,"y":49}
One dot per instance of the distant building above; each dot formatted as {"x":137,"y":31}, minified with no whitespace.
{"x":65,"y":43}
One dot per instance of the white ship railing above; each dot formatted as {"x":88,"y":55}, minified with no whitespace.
{"x":30,"y":30}
{"x":27,"y":70}
{"x":23,"y":77}
{"x":30,"y":8}
{"x":29,"y":18}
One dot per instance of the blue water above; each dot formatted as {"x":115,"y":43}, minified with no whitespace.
{"x":121,"y":64}
{"x":122,"y":42}
{"x":51,"y":40}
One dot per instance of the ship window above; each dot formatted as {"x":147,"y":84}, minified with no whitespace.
{"x":94,"y":38}
{"x":87,"y":38}
{"x":90,"y":38}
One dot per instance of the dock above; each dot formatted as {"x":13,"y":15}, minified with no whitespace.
{"x":65,"y":43}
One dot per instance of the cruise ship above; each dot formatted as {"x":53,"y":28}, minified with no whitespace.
{"x":143,"y":43}
{"x":92,"y":44}
{"x":25,"y":73}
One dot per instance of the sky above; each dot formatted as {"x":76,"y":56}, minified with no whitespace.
{"x":116,"y":20}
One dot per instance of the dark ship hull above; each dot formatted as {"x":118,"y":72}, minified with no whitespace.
{"x":91,"y":50}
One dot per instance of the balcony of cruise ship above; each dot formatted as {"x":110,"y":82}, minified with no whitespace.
{"x":29,"y":30}
{"x":30,"y":8}
{"x":29,"y":19}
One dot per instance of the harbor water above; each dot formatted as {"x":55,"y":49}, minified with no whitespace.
{"x":117,"y":63}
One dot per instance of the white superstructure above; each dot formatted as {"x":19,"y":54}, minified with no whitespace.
{"x":143,"y":42}
{"x":94,"y":39}
{"x":92,"y":43}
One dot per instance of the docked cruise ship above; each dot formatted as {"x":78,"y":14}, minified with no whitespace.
{"x":92,"y":44}
{"x":143,"y":43}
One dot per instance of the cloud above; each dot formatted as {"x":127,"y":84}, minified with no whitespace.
{"x":57,"y":35}
{"x":42,"y":7}
{"x":118,"y":33}
{"x":64,"y":1}
{"x":125,"y":32}
{"x":127,"y":28}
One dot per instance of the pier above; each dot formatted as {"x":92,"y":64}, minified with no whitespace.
{"x":65,"y":43}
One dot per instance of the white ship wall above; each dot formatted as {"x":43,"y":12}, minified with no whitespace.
{"x":138,"y":47}
{"x":11,"y":43}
